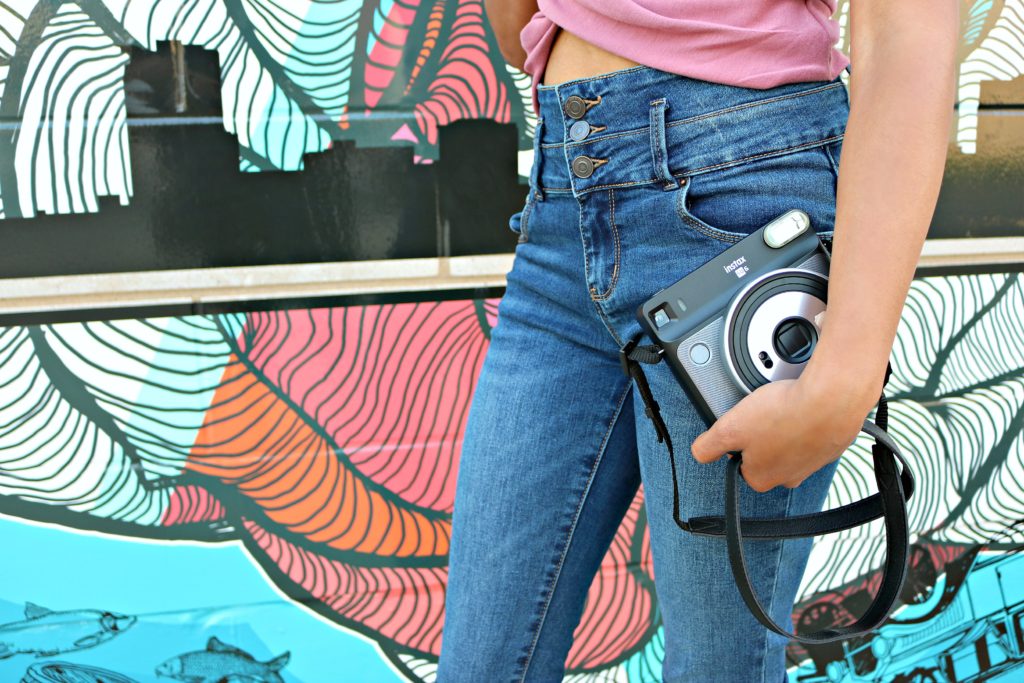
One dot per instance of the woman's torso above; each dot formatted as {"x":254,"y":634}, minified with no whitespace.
{"x":747,"y":43}
{"x":573,"y":57}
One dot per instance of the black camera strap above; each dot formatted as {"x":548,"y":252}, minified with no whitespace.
{"x":895,"y":487}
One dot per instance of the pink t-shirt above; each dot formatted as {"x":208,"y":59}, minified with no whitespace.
{"x":749,"y":43}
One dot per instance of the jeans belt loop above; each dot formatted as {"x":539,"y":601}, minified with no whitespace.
{"x":538,"y":159}
{"x":659,"y":146}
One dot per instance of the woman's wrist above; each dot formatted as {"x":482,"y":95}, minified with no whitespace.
{"x":843,"y":376}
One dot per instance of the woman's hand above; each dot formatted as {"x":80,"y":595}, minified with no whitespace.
{"x":789,"y":429}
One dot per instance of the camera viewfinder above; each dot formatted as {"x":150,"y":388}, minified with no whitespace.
{"x":662,"y":315}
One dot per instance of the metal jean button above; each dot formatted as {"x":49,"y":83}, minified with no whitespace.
{"x":575,"y":107}
{"x":582,"y":166}
{"x":579,"y":130}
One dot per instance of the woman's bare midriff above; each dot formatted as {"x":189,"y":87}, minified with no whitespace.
{"x":572,"y":57}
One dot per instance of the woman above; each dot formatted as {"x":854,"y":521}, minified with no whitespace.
{"x":667,"y":131}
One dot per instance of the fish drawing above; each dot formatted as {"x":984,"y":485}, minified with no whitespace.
{"x":45,"y":633}
{"x":66,"y":672}
{"x":220,"y":662}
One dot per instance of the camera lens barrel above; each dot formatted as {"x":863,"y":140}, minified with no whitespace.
{"x":770,"y":331}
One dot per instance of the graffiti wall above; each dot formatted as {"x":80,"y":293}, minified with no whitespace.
{"x":228,"y":488}
{"x":266,"y":494}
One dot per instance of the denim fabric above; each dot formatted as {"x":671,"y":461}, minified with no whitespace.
{"x":557,"y":442}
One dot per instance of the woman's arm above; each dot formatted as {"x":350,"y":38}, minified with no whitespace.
{"x":902,"y":92}
{"x":902,"y":89}
{"x":507,"y":19}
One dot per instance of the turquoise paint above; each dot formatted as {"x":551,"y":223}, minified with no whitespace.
{"x":177,"y":390}
{"x":319,"y":62}
{"x":379,"y":14}
{"x":182,"y":594}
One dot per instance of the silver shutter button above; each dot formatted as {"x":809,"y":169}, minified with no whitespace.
{"x":579,"y":130}
{"x":575,"y":107}
{"x":582,"y":166}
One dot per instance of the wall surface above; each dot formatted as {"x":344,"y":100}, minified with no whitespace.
{"x":250,"y":258}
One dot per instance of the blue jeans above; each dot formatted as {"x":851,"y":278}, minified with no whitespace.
{"x":664,"y":173}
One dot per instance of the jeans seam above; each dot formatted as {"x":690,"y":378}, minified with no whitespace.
{"x":615,"y":267}
{"x":572,"y":529}
{"x":685,"y":216}
{"x":524,"y":221}
{"x":625,"y":183}
{"x":713,"y":167}
{"x":699,"y":227}
{"x":607,"y":324}
{"x":586,"y":255}
{"x":771,"y":599}
{"x":669,"y":124}
{"x":725,"y":236}
{"x":775,"y":152}
{"x":756,"y":103}
{"x":832,"y":160}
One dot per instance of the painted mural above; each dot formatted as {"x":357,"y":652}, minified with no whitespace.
{"x":297,"y":77}
{"x":271,"y":493}
{"x":294,"y":78}
{"x":267,"y":496}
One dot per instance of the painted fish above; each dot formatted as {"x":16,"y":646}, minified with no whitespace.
{"x":45,"y":633}
{"x":220,"y":662}
{"x":66,"y":672}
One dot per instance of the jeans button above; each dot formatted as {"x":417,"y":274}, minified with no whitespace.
{"x":582,"y":166}
{"x":575,"y":107}
{"x":579,"y":130}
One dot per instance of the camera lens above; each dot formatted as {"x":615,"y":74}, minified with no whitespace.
{"x":794,"y":340}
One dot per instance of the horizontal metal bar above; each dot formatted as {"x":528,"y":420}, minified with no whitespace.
{"x":251,"y":283}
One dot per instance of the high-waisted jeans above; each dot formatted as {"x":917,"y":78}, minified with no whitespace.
{"x":639,"y":177}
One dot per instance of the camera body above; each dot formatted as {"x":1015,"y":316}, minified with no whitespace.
{"x":749,"y":316}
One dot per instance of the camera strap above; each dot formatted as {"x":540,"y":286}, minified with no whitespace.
{"x":895,"y":486}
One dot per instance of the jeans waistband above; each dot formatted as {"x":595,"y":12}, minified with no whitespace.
{"x":642,"y":125}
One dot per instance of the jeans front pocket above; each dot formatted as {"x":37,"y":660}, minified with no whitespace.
{"x":729,"y":203}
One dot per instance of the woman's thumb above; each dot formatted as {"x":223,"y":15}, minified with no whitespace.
{"x":713,"y":444}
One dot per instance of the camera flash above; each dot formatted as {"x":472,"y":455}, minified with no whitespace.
{"x":786,"y":228}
